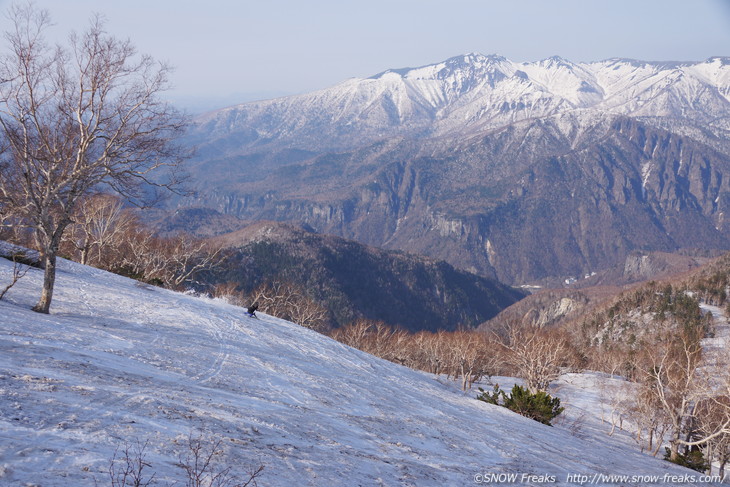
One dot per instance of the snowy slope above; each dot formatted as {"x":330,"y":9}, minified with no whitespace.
{"x":117,"y":361}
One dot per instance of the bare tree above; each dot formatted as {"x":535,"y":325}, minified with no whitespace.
{"x":98,"y":225}
{"x":354,"y":335}
{"x":470,"y":356}
{"x":538,"y":355}
{"x":433,"y":347}
{"x":711,"y":413}
{"x":649,"y":418}
{"x":383,"y":340}
{"x":676,"y":383}
{"x":75,"y":120}
{"x":170,"y":262}
{"x":289,"y":301}
{"x":189,"y":256}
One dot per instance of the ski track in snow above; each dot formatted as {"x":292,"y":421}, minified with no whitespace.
{"x":117,"y":361}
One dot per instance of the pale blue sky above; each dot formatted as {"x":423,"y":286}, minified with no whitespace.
{"x":236,"y":50}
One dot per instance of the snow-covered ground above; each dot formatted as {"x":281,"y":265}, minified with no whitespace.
{"x":119,"y":362}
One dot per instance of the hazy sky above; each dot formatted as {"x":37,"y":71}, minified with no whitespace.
{"x":236,"y":50}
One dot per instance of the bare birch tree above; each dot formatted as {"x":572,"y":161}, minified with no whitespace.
{"x":74,"y":120}
{"x":539,"y":356}
{"x":678,"y":386}
{"x":711,"y":413}
{"x":470,"y":356}
{"x":98,"y":227}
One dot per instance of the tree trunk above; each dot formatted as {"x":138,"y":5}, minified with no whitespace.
{"x":708,"y":454}
{"x":49,"y":279}
{"x":674,"y":451}
{"x":85,"y":253}
{"x":651,"y":439}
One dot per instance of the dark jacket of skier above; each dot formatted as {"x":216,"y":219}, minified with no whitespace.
{"x":252,"y":309}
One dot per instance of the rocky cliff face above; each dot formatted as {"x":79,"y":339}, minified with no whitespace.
{"x":519,"y":171}
{"x":519,"y":214}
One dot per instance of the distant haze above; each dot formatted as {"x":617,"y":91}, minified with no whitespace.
{"x":228,"y":51}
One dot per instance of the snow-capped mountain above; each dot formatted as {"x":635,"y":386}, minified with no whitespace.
{"x":474,"y":91}
{"x":120,"y":366}
{"x":462,"y":159}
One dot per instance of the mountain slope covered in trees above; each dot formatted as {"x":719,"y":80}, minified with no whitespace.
{"x":354,"y":281}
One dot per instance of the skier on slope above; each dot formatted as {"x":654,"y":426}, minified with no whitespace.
{"x":251,"y":311}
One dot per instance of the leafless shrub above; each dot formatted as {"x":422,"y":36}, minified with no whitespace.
{"x":229,"y":292}
{"x":171,"y":262}
{"x":377,"y":338}
{"x":19,"y":271}
{"x":202,"y":463}
{"x":97,"y":232}
{"x":202,"y":466}
{"x":128,"y":469}
{"x":575,"y":426}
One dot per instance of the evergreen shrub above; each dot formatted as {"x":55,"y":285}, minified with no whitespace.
{"x":540,"y":405}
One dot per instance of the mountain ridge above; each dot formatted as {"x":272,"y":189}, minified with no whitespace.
{"x":417,"y":92}
{"x":445,"y":158}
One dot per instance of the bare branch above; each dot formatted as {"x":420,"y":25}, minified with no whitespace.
{"x":19,"y":271}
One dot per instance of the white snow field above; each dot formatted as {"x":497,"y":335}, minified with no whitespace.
{"x":117,"y":362}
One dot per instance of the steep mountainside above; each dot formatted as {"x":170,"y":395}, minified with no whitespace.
{"x":517,"y":170}
{"x":355,"y":281}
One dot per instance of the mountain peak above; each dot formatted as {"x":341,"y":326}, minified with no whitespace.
{"x":469,"y":63}
{"x":556,"y":61}
{"x":475,"y":59}
{"x":721,"y":60}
